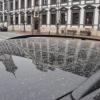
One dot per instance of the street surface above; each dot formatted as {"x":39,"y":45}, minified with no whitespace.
{"x":7,"y":35}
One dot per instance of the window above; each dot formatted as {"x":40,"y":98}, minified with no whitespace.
{"x":53,"y":2}
{"x":22,"y":18}
{"x":64,"y":1}
{"x":88,"y":18}
{"x":1,"y":18}
{"x":89,"y":15}
{"x":53,"y":18}
{"x":11,"y":5}
{"x":44,"y":2}
{"x":11,"y":19}
{"x":29,"y":2}
{"x":16,"y":4}
{"x":5,"y":18}
{"x":1,"y":8}
{"x":16,"y":19}
{"x":75,"y":0}
{"x":75,"y":18}
{"x":5,"y":4}
{"x":62,"y":16}
{"x":44,"y":19}
{"x":75,"y":15}
{"x":28,"y":19}
{"x":22,"y":4}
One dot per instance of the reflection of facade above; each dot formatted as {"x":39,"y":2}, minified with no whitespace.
{"x":80,"y":57}
{"x":25,"y":15}
{"x":77,"y":56}
{"x":7,"y":60}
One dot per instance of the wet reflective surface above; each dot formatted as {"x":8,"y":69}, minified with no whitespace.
{"x":45,"y":68}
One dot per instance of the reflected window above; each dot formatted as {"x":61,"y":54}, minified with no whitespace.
{"x":5,"y":4}
{"x":53,"y":2}
{"x":5,"y":18}
{"x":64,"y":1}
{"x":16,"y":4}
{"x":44,"y":2}
{"x":11,"y":5}
{"x":29,"y":2}
{"x":75,"y":0}
{"x":1,"y":7}
{"x":36,"y":2}
{"x":22,"y":4}
{"x":1,"y":18}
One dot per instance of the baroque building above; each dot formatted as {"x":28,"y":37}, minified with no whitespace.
{"x":51,"y":16}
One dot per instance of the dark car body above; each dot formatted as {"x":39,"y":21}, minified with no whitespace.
{"x":47,"y":68}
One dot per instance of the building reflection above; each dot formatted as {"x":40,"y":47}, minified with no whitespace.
{"x":8,"y":62}
{"x":76,"y":56}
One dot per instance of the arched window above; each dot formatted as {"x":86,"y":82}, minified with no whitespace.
{"x":75,"y":15}
{"x":89,"y":15}
{"x":53,"y":16}
{"x":63,"y":15}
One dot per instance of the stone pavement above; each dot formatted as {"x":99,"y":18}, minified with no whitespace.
{"x":7,"y":35}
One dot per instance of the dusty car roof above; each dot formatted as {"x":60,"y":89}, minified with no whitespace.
{"x":45,"y":68}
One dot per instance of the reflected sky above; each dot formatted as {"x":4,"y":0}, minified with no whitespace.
{"x":37,"y":65}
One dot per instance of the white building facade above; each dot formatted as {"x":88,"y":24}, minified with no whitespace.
{"x":51,"y":16}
